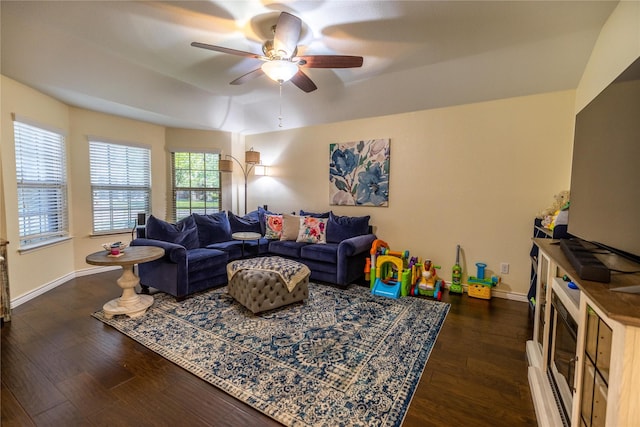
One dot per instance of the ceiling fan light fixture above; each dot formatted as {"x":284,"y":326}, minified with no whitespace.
{"x":280,"y":70}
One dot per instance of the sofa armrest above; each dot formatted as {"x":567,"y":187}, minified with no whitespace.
{"x":355,"y":245}
{"x":172,"y":251}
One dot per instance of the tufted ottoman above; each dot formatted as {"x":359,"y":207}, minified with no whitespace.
{"x":262,"y":284}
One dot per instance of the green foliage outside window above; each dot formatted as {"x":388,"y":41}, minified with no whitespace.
{"x":196,"y":183}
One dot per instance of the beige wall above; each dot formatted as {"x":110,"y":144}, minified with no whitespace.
{"x":84,"y":124}
{"x":474,"y":175}
{"x":616,"y":48}
{"x":30,"y":270}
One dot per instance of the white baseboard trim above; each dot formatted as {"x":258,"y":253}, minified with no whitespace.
{"x":509,"y":295}
{"x":15,"y":302}
{"x":95,"y":270}
{"x":496,"y":293}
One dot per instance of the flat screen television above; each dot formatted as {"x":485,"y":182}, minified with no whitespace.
{"x":605,"y":173}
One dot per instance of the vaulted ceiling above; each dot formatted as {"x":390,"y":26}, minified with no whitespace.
{"x":134,"y":58}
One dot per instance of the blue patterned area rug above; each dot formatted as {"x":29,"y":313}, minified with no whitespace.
{"x":344,"y":357}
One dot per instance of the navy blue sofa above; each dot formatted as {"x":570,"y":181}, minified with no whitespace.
{"x":198,"y":248}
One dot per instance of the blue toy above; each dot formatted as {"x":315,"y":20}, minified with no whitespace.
{"x":390,"y":282}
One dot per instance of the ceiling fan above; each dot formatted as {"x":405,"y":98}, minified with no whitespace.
{"x":280,"y":62}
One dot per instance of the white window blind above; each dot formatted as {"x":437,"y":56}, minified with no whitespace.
{"x":120,"y":185}
{"x":195,"y":179}
{"x":41,"y":176}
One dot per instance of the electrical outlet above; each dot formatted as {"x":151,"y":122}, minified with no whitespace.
{"x":504,"y":268}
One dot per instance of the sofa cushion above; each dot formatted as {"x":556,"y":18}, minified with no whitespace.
{"x":324,"y":253}
{"x":290,"y":227}
{"x":184,"y":232}
{"x":340,"y":228}
{"x":286,"y":248}
{"x":312,"y":230}
{"x":201,"y":259}
{"x":213,"y":228}
{"x":245,"y":223}
{"x":315,"y":214}
{"x":273,"y":225}
{"x":232,"y":247}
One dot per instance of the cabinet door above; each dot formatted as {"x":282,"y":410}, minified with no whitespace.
{"x":543,"y":279}
{"x":588,"y":380}
{"x":595,"y":377}
{"x":604,"y":350}
{"x":600,"y":390}
{"x":591,"y":343}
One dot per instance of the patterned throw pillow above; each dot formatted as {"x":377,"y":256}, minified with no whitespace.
{"x":312,"y":230}
{"x":261,"y":214}
{"x":273,"y":228}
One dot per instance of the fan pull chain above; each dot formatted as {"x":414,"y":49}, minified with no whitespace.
{"x":280,"y":116}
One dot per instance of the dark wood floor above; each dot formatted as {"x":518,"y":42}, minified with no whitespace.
{"x":62,"y":367}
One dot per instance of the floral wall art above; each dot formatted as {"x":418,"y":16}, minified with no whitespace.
{"x":359,"y":173}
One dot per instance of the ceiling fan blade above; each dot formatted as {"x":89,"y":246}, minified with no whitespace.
{"x":249,"y":76}
{"x":303,"y":81}
{"x":285,"y":40}
{"x":227,"y":50}
{"x":329,"y":61}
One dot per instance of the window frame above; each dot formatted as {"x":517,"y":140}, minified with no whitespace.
{"x":124,"y":165}
{"x":39,"y":171}
{"x":208,"y":207}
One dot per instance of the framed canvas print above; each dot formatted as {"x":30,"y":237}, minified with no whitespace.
{"x":359,"y":173}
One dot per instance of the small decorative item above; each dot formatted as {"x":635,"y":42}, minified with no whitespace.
{"x":359,"y":173}
{"x":114,"y":248}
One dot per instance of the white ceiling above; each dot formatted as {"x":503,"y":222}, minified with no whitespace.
{"x":134,"y":59}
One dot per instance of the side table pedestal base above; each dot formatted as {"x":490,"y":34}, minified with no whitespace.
{"x":132,"y":309}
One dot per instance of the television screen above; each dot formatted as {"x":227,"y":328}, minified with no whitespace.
{"x":605,"y":173}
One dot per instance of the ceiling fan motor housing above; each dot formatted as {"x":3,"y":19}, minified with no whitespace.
{"x":271,"y":53}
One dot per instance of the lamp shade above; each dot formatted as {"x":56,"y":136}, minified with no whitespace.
{"x":252,"y":157}
{"x":261,"y":170}
{"x":225,"y":165}
{"x":280,"y":70}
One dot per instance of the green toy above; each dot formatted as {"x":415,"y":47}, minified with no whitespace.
{"x":456,"y":275}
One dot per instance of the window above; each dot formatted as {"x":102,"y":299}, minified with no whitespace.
{"x":120,"y":185}
{"x":41,"y":176}
{"x":195,"y":181}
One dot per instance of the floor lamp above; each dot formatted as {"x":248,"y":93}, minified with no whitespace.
{"x":251,"y":158}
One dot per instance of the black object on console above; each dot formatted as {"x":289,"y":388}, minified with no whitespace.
{"x":586,"y":264}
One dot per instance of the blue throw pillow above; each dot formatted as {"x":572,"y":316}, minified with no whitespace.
{"x":315,"y":214}
{"x":253,"y":215}
{"x":340,"y":228}
{"x":213,"y":228}
{"x":245,"y":223}
{"x":184,"y":232}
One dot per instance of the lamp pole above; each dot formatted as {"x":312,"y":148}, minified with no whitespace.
{"x":245,"y":173}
